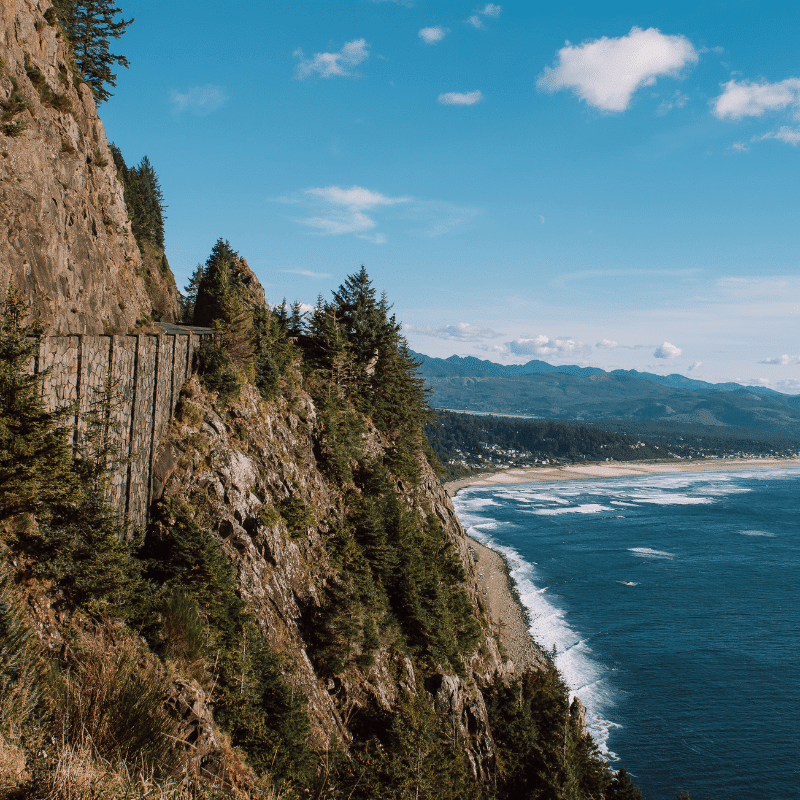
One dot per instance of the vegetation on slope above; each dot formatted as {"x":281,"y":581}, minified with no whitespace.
{"x":466,"y":442}
{"x":138,"y":610}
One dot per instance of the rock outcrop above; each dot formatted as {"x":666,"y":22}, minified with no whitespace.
{"x":67,"y":239}
{"x":235,"y":472}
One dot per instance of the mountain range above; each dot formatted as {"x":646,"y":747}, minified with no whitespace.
{"x":539,"y":389}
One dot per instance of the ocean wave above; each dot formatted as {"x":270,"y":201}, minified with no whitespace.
{"x":585,"y":508}
{"x":759,"y":533}
{"x":666,"y":499}
{"x":585,"y":677}
{"x":649,"y":552}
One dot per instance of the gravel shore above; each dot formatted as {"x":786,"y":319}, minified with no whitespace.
{"x":504,"y":609}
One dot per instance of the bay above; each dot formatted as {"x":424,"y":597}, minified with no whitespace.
{"x":672,"y":603}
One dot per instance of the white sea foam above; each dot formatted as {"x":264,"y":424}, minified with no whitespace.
{"x":648,"y":552}
{"x":666,"y":499}
{"x":758,"y":533}
{"x":474,"y":503}
{"x":628,"y":583}
{"x":585,"y":677}
{"x":585,"y":508}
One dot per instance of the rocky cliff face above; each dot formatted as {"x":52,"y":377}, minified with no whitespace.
{"x":234,"y":470}
{"x":67,"y":240}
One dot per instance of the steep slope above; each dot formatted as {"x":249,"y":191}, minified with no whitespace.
{"x":68,"y":243}
{"x":234,"y":472}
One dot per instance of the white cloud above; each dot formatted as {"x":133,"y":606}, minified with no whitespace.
{"x":201,"y":100}
{"x":460,"y":98}
{"x":434,"y":34}
{"x":677,"y":100}
{"x":740,"y":147}
{"x":375,"y":238}
{"x":749,"y":99}
{"x":783,"y":360}
{"x":355,"y":197}
{"x":667,"y":350}
{"x":790,"y":386}
{"x":337,"y":210}
{"x":545,"y":347}
{"x":489,"y":10}
{"x":785,"y":134}
{"x":463,"y":331}
{"x":329,"y":65}
{"x":607,"y":344}
{"x":606,"y":72}
{"x":307,"y":273}
{"x":343,"y":210}
{"x":696,"y":365}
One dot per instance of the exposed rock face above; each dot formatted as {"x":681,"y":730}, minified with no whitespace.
{"x":67,"y":239}
{"x":236,"y":471}
{"x":202,"y":752}
{"x":160,"y":284}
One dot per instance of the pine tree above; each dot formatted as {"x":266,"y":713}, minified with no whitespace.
{"x":219,"y":305}
{"x":35,"y":453}
{"x":89,"y":25}
{"x":189,"y":300}
{"x":215,"y":285}
{"x":143,"y":199}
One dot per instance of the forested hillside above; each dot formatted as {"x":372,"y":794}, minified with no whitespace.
{"x":466,"y":442}
{"x":300,"y":615}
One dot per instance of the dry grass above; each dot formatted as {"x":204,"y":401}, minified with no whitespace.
{"x":78,"y":773}
{"x":112,"y":693}
{"x":12,"y":765}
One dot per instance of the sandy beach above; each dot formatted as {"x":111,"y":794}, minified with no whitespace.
{"x":502,"y":606}
{"x":617,"y":469}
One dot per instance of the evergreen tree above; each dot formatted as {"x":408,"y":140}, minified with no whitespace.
{"x":143,"y":199}
{"x":219,"y":305}
{"x":35,"y":453}
{"x":296,"y":321}
{"x":89,"y":26}
{"x":360,"y":317}
{"x":214,"y":288}
{"x":189,"y":300}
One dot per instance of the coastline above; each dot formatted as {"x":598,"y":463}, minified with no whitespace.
{"x":498,"y":591}
{"x":503,"y":608}
{"x":616,"y":469}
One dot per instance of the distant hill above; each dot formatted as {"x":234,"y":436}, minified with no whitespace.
{"x":539,"y":389}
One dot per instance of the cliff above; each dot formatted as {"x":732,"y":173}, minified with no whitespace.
{"x":235,"y":470}
{"x":67,"y":242}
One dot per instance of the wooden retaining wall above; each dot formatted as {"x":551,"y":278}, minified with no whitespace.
{"x":147,"y":371}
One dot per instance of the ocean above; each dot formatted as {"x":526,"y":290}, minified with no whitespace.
{"x":673,"y":604}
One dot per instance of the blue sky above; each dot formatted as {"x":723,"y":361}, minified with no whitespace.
{"x":608,"y":184}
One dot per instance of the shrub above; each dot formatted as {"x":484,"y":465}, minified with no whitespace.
{"x":111,"y":696}
{"x":184,"y":629}
{"x":297,"y":516}
{"x":20,"y":667}
{"x":16,"y":128}
{"x":216,"y":372}
{"x":60,"y":101}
